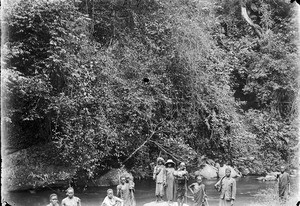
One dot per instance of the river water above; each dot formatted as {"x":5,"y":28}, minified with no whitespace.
{"x":247,"y":188}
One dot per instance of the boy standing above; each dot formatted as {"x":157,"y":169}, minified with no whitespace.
{"x":159,"y":175}
{"x":198,"y":190}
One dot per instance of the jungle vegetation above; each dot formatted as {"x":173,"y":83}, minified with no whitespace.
{"x":100,"y":84}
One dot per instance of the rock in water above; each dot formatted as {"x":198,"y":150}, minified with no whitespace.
{"x":208,"y":172}
{"x":261,"y":178}
{"x":275,"y":174}
{"x":267,"y":178}
{"x":162,"y":204}
{"x":234,"y":173}
{"x":111,"y":178}
{"x":272,"y":176}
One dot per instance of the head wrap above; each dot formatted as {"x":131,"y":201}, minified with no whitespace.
{"x":227,"y":169}
{"x":161,"y":159}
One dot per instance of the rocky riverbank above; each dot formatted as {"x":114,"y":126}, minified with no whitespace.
{"x":210,"y":172}
{"x":31,"y":169}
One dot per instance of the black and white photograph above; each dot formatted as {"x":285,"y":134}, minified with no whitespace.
{"x":150,"y":102}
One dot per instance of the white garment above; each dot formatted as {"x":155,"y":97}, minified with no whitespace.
{"x":111,"y":202}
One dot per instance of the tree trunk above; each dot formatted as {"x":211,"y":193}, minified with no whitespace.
{"x":257,"y":28}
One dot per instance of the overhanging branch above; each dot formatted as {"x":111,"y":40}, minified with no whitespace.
{"x":137,"y":149}
{"x":257,"y":28}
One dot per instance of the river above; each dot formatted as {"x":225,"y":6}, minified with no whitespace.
{"x":247,"y":188}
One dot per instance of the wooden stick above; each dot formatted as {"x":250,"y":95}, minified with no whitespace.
{"x":206,"y":202}
{"x":137,"y":149}
{"x":166,"y":151}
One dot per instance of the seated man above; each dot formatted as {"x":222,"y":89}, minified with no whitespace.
{"x":111,"y":200}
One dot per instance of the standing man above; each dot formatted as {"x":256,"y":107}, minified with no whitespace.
{"x":71,"y":200}
{"x":159,"y":175}
{"x":227,"y":186}
{"x":284,"y":184}
{"x":181,"y":176}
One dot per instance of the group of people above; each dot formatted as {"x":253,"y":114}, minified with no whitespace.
{"x":172,"y":184}
{"x":125,"y":195}
{"x":70,"y":200}
{"x":170,"y":181}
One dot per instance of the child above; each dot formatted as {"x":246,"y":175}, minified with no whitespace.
{"x":71,"y":200}
{"x":122,"y":188}
{"x":125,"y":191}
{"x":53,"y":200}
{"x":159,"y":175}
{"x":131,"y":184}
{"x":198,"y":190}
{"x":111,"y":200}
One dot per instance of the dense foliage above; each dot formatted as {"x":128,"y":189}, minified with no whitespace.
{"x":112,"y":83}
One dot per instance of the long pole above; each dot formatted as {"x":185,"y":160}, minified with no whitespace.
{"x":206,"y":202}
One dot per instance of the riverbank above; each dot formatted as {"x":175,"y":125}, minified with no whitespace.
{"x":33,"y":169}
{"x":270,"y":197}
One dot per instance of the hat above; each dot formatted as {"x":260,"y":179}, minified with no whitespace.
{"x":160,"y":159}
{"x":169,"y":161}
